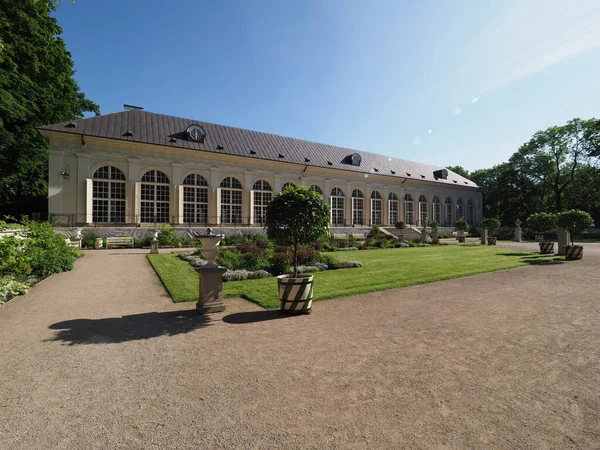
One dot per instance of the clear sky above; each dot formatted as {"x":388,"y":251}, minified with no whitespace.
{"x":432,"y":81}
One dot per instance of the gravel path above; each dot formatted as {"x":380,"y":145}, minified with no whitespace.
{"x":99,"y":358}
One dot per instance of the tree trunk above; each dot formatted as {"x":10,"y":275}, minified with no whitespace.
{"x":295,"y":260}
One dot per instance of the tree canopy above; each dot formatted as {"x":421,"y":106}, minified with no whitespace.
{"x":36,"y":88}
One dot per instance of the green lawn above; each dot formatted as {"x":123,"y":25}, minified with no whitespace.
{"x":382,"y":269}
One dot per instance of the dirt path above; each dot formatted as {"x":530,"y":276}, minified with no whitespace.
{"x":100,"y":358}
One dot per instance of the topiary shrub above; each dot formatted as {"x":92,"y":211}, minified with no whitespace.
{"x":575,"y":221}
{"x":491,"y":224}
{"x":167,"y":236}
{"x":295,"y":217}
{"x":89,"y":241}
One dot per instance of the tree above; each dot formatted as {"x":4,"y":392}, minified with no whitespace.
{"x":491,"y":224}
{"x":553,"y":156}
{"x":459,"y":170}
{"x":36,"y":88}
{"x":296,"y":216}
{"x":575,"y":221}
{"x":542,"y":222}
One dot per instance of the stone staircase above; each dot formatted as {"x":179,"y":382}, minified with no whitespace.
{"x":411,"y":232}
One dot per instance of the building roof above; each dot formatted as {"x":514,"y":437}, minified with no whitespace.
{"x":137,"y":125}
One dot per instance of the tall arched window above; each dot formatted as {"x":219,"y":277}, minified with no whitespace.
{"x":231,"y":201}
{"x":409,"y":210}
{"x":448,"y":220}
{"x":470,"y":212}
{"x":376,"y":208}
{"x":460,"y":210}
{"x":437,"y":210}
{"x":337,"y":207}
{"x":393,"y":208}
{"x":288,"y":184}
{"x":423,"y":211}
{"x":263,"y":193}
{"x":108,"y":195}
{"x":358,"y":207}
{"x":195,"y":199}
{"x":316,"y":188}
{"x":155,"y":197}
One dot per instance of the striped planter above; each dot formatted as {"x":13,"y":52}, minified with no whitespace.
{"x":295,"y":293}
{"x":546,"y":248}
{"x":491,"y":241}
{"x":461,"y":239}
{"x":539,"y":238}
{"x":573,"y":252}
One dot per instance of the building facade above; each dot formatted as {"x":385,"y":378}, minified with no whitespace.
{"x":140,"y":168}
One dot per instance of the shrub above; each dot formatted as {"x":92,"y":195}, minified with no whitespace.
{"x":89,"y":240}
{"x":542,"y":222}
{"x":13,"y":259}
{"x":308,"y":269}
{"x":461,"y":225}
{"x":575,"y":221}
{"x":435,"y":228}
{"x":331,"y":261}
{"x":307,"y":254}
{"x":47,"y":251}
{"x":167,"y":236}
{"x":349,"y":264}
{"x":506,"y":233}
{"x":474,"y":232}
{"x":230,"y":259}
{"x":280,"y":261}
{"x":400,"y":225}
{"x":445,"y":235}
{"x":9,"y":288}
{"x":240,"y":275}
{"x":376,"y":232}
{"x":235,"y":239}
{"x":491,"y":224}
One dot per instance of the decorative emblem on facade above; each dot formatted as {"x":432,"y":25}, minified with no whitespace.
{"x":196,"y":133}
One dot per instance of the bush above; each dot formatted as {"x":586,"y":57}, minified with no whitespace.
{"x":349,"y":264}
{"x":542,"y":222}
{"x":235,"y":239}
{"x":375,"y":232}
{"x":13,"y":259}
{"x":241,"y":275}
{"x":9,"y":288}
{"x":435,"y":241}
{"x":280,"y":261}
{"x":474,"y":232}
{"x":445,"y":235}
{"x":461,"y":225}
{"x":167,"y":236}
{"x":331,"y":261}
{"x":47,"y":251}
{"x":575,"y":221}
{"x":491,"y":224}
{"x":435,"y":228}
{"x":89,"y":241}
{"x":230,"y":259}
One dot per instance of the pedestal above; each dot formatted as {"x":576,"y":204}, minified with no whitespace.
{"x":211,"y":289}
{"x":484,"y":235}
{"x":564,"y":239}
{"x":154,"y":246}
{"x":77,"y":241}
{"x":518,"y":235}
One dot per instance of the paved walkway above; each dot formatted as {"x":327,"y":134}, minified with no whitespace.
{"x":99,"y":358}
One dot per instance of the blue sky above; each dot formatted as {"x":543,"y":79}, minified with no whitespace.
{"x":392,"y":77}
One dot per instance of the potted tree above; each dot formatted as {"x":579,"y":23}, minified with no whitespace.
{"x":295,"y":217}
{"x":542,"y":223}
{"x":491,"y":224}
{"x":461,"y":226}
{"x":574,"y":221}
{"x":400,"y":225}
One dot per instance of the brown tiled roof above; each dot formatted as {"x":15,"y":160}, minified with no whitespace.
{"x":151,"y":128}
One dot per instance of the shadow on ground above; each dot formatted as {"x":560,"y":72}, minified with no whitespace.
{"x":255,"y":316}
{"x":536,"y":259}
{"x":115,"y":330}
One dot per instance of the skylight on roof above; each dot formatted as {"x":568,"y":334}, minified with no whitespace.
{"x":219,"y":147}
{"x":252,"y":152}
{"x":281,"y":156}
{"x":408,"y":174}
{"x":393,"y":172}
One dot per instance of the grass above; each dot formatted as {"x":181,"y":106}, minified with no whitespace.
{"x":382,"y":269}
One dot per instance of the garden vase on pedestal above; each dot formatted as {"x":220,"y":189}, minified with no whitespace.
{"x":210,"y":276}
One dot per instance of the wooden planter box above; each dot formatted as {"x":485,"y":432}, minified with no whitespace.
{"x":492,"y":241}
{"x":295,"y":293}
{"x":573,"y":252}
{"x":546,"y":248}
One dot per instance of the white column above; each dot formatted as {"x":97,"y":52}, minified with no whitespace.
{"x":178,"y":212}
{"x":251,"y":203}
{"x":89,"y":200}
{"x":137,"y":202}
{"x":218,"y":209}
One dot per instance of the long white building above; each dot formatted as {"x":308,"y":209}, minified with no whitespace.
{"x":140,"y":168}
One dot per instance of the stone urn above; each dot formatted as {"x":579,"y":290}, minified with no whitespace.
{"x":210,"y":275}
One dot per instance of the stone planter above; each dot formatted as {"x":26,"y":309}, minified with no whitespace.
{"x":546,"y":248}
{"x":491,"y":241}
{"x":295,"y":293}
{"x":573,"y":252}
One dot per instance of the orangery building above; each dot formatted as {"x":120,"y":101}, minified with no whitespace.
{"x":141,"y":169}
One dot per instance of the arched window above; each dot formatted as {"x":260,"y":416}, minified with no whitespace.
{"x":393,"y":208}
{"x":376,"y":208}
{"x":448,"y":220}
{"x":316,"y":188}
{"x":195,"y":199}
{"x":460,"y":210}
{"x":358,"y":207}
{"x":423,"y":211}
{"x":409,"y":210}
{"x":155,"y":197}
{"x":288,"y":184}
{"x":470,"y":212}
{"x":263,"y":193}
{"x":337,"y":207}
{"x":108,"y":195}
{"x":437,"y":210}
{"x":231,"y":201}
